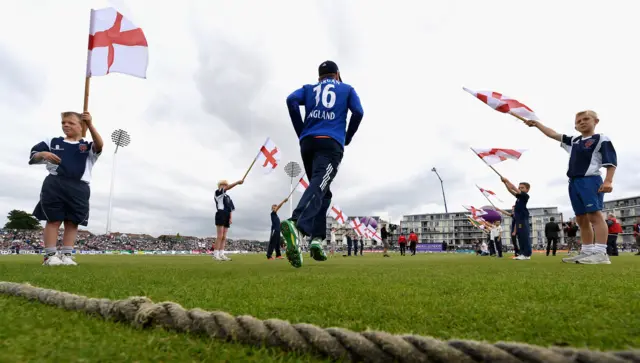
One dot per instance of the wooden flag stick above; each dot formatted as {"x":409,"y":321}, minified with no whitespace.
{"x":518,"y":117}
{"x":254,"y":160}
{"x":85,"y":106}
{"x":290,"y":193}
{"x":492,"y":168}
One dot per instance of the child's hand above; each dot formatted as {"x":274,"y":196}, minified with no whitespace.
{"x":50,"y":157}
{"x":606,"y":187}
{"x":532,"y":123}
{"x":86,"y":117}
{"x":241,"y":181}
{"x":503,"y":179}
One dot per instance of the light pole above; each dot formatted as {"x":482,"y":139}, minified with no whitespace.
{"x":121,"y":138}
{"x":442,"y":186}
{"x":293,"y":170}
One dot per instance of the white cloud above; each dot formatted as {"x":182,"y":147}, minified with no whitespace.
{"x":219,"y":73}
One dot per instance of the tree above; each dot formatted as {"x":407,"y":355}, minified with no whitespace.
{"x":18,"y":219}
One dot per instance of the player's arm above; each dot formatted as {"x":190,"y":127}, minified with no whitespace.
{"x":295,"y":99}
{"x":609,"y":161}
{"x":357,"y":113}
{"x":547,"y":131}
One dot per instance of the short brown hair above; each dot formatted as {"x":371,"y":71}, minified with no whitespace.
{"x":526,"y":185}
{"x":589,"y":113}
{"x":71,"y":113}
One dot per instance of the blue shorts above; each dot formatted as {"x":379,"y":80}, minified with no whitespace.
{"x":63,"y":199}
{"x":584,"y":195}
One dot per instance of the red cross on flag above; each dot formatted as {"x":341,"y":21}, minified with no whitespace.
{"x":504,"y":104}
{"x":495,"y":155}
{"x":116,"y":45}
{"x":373,"y":234}
{"x":269,"y":156}
{"x":357,"y":226}
{"x":475,"y":212}
{"x":303,"y":184}
{"x":337,"y":214}
{"x":488,"y":193}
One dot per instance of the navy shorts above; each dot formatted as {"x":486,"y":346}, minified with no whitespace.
{"x":223,"y":218}
{"x":584,"y":195}
{"x":63,"y":199}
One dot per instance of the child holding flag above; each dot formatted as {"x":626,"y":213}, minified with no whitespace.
{"x":588,"y":152}
{"x":65,"y":191}
{"x":521,"y":217}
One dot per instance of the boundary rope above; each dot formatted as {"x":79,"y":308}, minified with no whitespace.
{"x":335,"y":343}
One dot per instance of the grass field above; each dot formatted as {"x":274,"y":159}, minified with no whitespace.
{"x":541,"y":301}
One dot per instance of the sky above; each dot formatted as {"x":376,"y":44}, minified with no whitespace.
{"x":220,"y":71}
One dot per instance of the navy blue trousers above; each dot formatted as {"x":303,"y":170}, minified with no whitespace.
{"x":524,"y":240}
{"x":321,"y":158}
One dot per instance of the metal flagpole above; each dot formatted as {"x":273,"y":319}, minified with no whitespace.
{"x":441,"y":186}
{"x":293,"y":170}
{"x":121,"y":139}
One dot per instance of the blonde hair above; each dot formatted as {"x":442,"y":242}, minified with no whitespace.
{"x":222,"y":182}
{"x":588,"y":113}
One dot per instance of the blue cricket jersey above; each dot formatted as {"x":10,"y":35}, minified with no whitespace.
{"x":326,"y":104}
{"x":77,"y":157}
{"x":588,"y":154}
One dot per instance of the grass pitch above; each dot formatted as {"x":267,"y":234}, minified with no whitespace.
{"x":540,"y":301}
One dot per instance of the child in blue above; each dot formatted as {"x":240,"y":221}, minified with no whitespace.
{"x":588,"y":152}
{"x":65,"y":191}
{"x":521,"y":217}
{"x":323,"y":135}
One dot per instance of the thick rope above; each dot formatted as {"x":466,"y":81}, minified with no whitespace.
{"x":335,"y":343}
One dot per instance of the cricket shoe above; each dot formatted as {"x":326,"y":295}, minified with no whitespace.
{"x":316,"y":250}
{"x":595,"y":259}
{"x":522,"y":257}
{"x":52,"y":260}
{"x":68,"y":260}
{"x":292,"y":237}
{"x":576,"y":258}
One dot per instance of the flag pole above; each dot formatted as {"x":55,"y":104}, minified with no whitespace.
{"x":254,"y":161}
{"x":492,"y":168}
{"x":518,"y":117}
{"x":85,"y":106}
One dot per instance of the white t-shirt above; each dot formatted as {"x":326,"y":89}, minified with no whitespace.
{"x":484,"y":247}
{"x":333,"y":237}
{"x":496,"y":232}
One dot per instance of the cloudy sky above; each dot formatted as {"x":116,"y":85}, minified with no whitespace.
{"x":220,"y":71}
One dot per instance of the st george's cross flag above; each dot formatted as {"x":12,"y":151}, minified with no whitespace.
{"x":357,"y":226}
{"x":337,"y":214}
{"x":268,"y":156}
{"x":116,"y":45}
{"x":475,"y":212}
{"x":504,"y":104}
{"x":497,"y":155}
{"x":373,"y":234}
{"x":303,"y":184}
{"x":488,"y":193}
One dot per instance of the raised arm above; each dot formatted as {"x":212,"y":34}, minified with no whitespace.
{"x":547,"y":131}
{"x":510,"y":187}
{"x":281,"y":204}
{"x":230,"y":186}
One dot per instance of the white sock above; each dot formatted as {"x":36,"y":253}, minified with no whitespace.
{"x":215,"y":253}
{"x":600,"y":248}
{"x":221,"y":253}
{"x":587,"y":249}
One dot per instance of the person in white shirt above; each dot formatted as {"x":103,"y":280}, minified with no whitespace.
{"x":496,"y":239}
{"x":484,"y":249}
{"x":332,"y":247}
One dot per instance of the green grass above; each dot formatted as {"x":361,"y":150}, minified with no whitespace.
{"x":541,"y":302}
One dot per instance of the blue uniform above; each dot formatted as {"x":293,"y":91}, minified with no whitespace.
{"x":326,"y":104}
{"x":274,"y":238}
{"x":65,"y":191}
{"x":322,"y":136}
{"x":224,"y":207}
{"x":521,"y":218}
{"x":587,"y":156}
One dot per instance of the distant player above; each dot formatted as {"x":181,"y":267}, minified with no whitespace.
{"x":65,"y":191}
{"x":323,"y":135}
{"x":521,"y":217}
{"x":589,"y":152}
{"x":274,"y":237}
{"x":224,"y":209}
